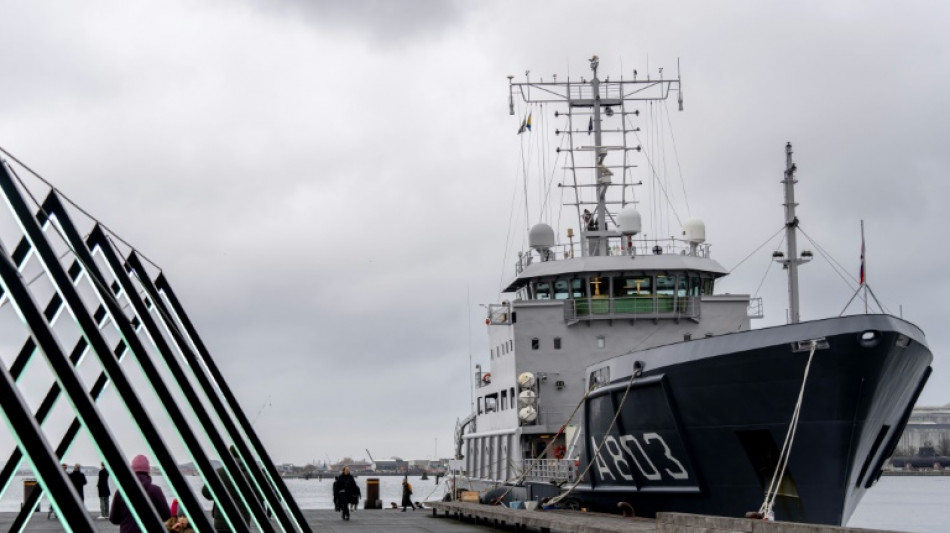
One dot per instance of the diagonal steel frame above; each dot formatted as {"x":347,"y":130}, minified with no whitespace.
{"x":26,"y":511}
{"x":127,"y":482}
{"x":97,"y":238}
{"x":135,"y":265}
{"x":52,"y":206}
{"x":161,"y":283}
{"x":29,"y":437}
{"x":28,"y":433}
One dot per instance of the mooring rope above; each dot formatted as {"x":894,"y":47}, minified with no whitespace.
{"x":772,"y":492}
{"x":560,"y":497}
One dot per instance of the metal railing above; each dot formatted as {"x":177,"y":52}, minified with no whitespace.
{"x":547,"y":470}
{"x":756,"y":309}
{"x":616,"y":247}
{"x":652,"y":306}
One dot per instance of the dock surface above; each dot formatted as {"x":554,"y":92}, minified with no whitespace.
{"x":567,"y":521}
{"x":320,"y":520}
{"x":459,"y":517}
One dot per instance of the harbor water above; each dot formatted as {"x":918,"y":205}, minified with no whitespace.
{"x":916,"y":504}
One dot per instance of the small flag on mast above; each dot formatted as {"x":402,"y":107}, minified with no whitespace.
{"x":527,"y":123}
{"x":862,"y":259}
{"x":590,"y":125}
{"x":524,"y":126}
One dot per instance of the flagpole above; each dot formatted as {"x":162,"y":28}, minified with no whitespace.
{"x":864,"y":269}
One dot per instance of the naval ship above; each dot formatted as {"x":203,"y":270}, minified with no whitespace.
{"x":619,"y":376}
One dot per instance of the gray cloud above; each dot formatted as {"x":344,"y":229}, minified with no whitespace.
{"x":329,"y":186}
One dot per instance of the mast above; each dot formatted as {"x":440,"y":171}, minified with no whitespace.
{"x":791,"y":261}
{"x":603,"y":176}
{"x":599,"y":101}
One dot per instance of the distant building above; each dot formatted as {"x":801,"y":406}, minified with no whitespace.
{"x":356,"y":467}
{"x":395,"y":466}
{"x":928,"y":426}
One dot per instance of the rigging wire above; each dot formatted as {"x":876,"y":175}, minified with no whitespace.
{"x":524,"y":179}
{"x":676,"y":156}
{"x":781,"y":229}
{"x":834,"y":263}
{"x":653,"y":171}
{"x":767,"y":269}
{"x":511,"y":222}
{"x":69,"y":201}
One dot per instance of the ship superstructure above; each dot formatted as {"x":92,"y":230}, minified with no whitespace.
{"x":618,"y":374}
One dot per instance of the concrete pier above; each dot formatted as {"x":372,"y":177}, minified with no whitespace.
{"x":579,"y":522}
{"x":458,"y":517}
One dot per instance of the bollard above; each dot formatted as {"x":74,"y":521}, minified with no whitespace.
{"x":372,"y":500}
{"x":29,"y":485}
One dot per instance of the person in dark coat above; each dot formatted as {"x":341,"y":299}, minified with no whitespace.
{"x":407,"y":495}
{"x":120,"y":514}
{"x":104,"y":491}
{"x":345,"y":492}
{"x":79,"y":481}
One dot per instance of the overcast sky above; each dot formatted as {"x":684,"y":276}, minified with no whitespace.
{"x":329,"y":185}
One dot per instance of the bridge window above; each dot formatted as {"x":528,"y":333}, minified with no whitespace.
{"x":707,"y":287}
{"x":480,"y":410}
{"x":491,"y":402}
{"x":557,"y":343}
{"x":625,"y":286}
{"x":682,"y":286}
{"x":665,"y":285}
{"x":694,"y":286}
{"x":577,"y":288}
{"x":504,"y":399}
{"x":542,"y":290}
{"x":535,"y":343}
{"x":562,"y":289}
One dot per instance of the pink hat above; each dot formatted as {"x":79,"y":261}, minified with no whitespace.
{"x":140,"y":464}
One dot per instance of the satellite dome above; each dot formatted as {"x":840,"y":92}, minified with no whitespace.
{"x":629,"y":221}
{"x":694,"y":231}
{"x":528,"y":414}
{"x":526,"y":380}
{"x":527,"y":397}
{"x":541,"y":237}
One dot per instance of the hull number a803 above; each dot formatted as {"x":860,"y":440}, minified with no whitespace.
{"x":649,"y":455}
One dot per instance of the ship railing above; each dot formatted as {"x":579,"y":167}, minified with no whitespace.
{"x":549,"y":470}
{"x":756,"y":308}
{"x":616,"y":246}
{"x":653,"y":306}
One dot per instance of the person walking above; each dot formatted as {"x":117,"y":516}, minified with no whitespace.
{"x":120,"y":514}
{"x":104,"y":492}
{"x":79,"y":481}
{"x":345,"y":492}
{"x":407,"y":494}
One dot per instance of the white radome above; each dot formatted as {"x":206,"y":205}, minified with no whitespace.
{"x":629,"y":221}
{"x":541,"y":237}
{"x":526,"y":380}
{"x":694,"y":231}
